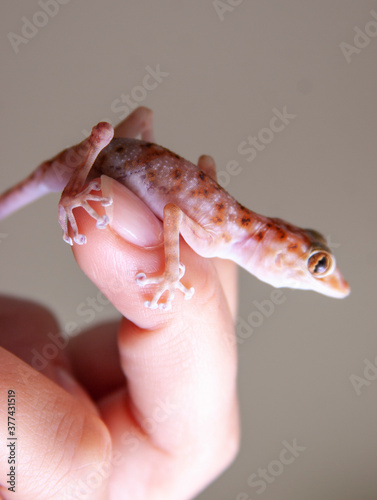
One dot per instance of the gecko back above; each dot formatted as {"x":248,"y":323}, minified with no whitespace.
{"x":159,"y":176}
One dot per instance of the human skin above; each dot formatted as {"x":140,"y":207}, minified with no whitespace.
{"x":144,"y":408}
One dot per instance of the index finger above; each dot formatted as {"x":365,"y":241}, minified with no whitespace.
{"x":180,"y":365}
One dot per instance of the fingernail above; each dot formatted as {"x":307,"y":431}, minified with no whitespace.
{"x":129,"y":216}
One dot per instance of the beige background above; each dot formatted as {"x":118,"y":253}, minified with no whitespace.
{"x":225,"y":77}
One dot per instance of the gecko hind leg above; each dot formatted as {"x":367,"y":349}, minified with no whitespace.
{"x":76,"y":195}
{"x":81,"y":199}
{"x":169,"y":281}
{"x":139,"y":122}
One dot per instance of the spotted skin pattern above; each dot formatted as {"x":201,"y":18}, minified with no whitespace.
{"x":190,"y":203}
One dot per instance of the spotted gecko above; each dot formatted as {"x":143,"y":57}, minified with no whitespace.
{"x":190,"y":203}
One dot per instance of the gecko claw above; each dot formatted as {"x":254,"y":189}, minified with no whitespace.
{"x":102,"y":222}
{"x":80,"y":239}
{"x":140,"y":277}
{"x":165,"y":306}
{"x":188,"y":292}
{"x":67,"y":239}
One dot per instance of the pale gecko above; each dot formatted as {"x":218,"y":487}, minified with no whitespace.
{"x":190,"y":203}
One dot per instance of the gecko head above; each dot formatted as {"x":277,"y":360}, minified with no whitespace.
{"x":325,"y":275}
{"x":315,"y":268}
{"x":303,"y":260}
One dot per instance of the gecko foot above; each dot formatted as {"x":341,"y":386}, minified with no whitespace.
{"x":167,"y":284}
{"x":68,"y":203}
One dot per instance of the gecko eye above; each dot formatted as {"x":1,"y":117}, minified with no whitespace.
{"x":321,"y":263}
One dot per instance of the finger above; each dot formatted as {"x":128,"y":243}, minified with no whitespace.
{"x":228,"y":276}
{"x":180,"y":364}
{"x":57,"y":444}
{"x":31,"y":332}
{"x":139,"y":122}
{"x":99,"y":374}
{"x":208,"y":165}
{"x":227,"y":269}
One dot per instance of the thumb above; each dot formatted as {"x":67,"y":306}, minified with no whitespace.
{"x":52,"y":445}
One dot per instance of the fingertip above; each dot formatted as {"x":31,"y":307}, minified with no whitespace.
{"x":208,"y":165}
{"x":206,"y":160}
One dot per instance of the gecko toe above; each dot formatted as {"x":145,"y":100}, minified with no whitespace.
{"x":80,"y":239}
{"x":106,"y":202}
{"x":189,"y":293}
{"x":165,"y":306}
{"x":67,"y":239}
{"x":182,"y":269}
{"x":140,"y":278}
{"x":150,"y":304}
{"x":102,"y":222}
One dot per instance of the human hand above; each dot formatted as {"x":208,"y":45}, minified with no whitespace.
{"x":144,"y":409}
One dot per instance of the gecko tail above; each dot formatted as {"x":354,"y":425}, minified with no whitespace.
{"x":54,"y":174}
{"x":20,"y":195}
{"x":45,"y":179}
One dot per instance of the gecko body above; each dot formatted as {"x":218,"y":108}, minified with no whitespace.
{"x":191,"y":203}
{"x":159,"y":177}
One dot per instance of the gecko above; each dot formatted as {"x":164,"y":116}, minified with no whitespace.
{"x":190,"y":203}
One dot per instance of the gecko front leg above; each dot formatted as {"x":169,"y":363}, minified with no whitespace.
{"x":169,"y":281}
